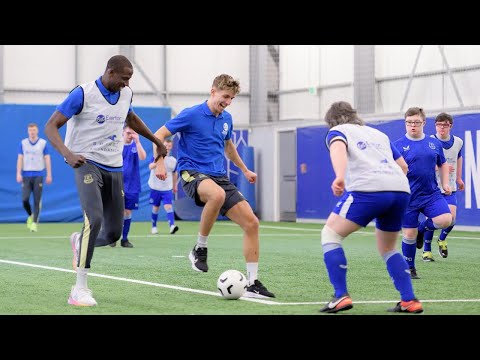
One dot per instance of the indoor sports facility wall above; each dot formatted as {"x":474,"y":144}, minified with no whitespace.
{"x":315,"y":200}
{"x":60,"y":201}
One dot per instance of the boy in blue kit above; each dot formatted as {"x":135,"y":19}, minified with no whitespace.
{"x":133,"y":151}
{"x":422,"y":154}
{"x":452,"y":149}
{"x":206,"y":131}
{"x":163,"y":190}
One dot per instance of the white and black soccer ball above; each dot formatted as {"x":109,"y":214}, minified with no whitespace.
{"x":232,"y":284}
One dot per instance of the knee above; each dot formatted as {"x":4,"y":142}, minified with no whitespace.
{"x":444,"y":221}
{"x":329,"y":236}
{"x":218,"y":196}
{"x":252,"y":225}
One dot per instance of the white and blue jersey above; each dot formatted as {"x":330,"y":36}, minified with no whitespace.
{"x":33,"y":157}
{"x":202,"y":142}
{"x":131,"y":169}
{"x":98,"y":116}
{"x":376,"y":186}
{"x":371,"y":160}
{"x":167,"y":184}
{"x":452,"y":149}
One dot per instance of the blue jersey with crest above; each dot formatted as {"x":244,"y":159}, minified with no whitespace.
{"x":202,"y":143}
{"x":421,"y":156}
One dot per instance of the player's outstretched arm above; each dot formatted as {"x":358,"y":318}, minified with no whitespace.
{"x":137,"y":124}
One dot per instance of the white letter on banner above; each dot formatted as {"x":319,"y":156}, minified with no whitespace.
{"x":471,"y":170}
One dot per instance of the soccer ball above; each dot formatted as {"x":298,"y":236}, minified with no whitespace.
{"x":232,"y":284}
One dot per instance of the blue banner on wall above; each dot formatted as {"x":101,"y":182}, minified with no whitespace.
{"x":315,"y":173}
{"x":60,"y":202}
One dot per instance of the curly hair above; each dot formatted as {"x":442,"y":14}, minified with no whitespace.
{"x":341,"y":112}
{"x":226,"y":82}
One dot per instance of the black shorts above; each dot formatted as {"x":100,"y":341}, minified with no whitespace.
{"x":191,"y":179}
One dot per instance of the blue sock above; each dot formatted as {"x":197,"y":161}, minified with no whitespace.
{"x":427,"y":237}
{"x":409,"y":249}
{"x":427,"y":225}
{"x":398,"y":269}
{"x":154,"y":218}
{"x":445,"y":232}
{"x":336,"y":264}
{"x":126,"y":227}
{"x":170,"y":217}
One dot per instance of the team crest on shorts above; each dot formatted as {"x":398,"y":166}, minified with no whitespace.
{"x":88,"y":179}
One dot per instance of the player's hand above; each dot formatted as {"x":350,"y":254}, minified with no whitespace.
{"x":75,"y":161}
{"x":338,"y":186}
{"x":48,"y":180}
{"x":160,"y":171}
{"x":175,"y":189}
{"x":460,"y":184}
{"x":447,"y":189}
{"x":135,"y":136}
{"x":19,"y":178}
{"x":251,"y":176}
{"x":160,"y":152}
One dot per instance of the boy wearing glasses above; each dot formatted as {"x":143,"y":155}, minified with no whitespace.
{"x":423,"y":156}
{"x":452,"y":149}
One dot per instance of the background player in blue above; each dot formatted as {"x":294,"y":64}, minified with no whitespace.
{"x":32,"y":161}
{"x":133,"y":151}
{"x":206,"y":131}
{"x":163,"y":190}
{"x":452,"y":149}
{"x":422,"y":155}
{"x":372,"y":172}
{"x":93,"y":147}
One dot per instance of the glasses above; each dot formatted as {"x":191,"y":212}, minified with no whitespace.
{"x":414,"y":123}
{"x":442,"y":125}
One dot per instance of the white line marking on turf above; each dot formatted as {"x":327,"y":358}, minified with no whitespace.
{"x":205,"y":292}
{"x":179,"y":256}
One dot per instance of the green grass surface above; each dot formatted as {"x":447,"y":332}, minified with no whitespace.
{"x":291,"y":266}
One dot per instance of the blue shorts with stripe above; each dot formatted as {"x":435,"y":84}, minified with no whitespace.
{"x":157,"y":197}
{"x":431,"y":207}
{"x":451,"y":199}
{"x":387,"y":207}
{"x":131,"y":201}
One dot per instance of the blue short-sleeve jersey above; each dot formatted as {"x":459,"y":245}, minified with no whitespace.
{"x":202,"y":142}
{"x":421,"y":156}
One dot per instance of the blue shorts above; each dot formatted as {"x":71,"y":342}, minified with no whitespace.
{"x":436,"y":206}
{"x":131,"y":201}
{"x":157,"y":197}
{"x":387,"y":207}
{"x":451,"y":199}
